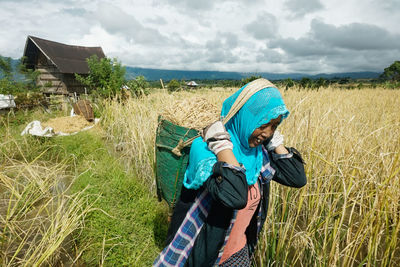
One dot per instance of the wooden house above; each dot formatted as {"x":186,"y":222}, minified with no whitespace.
{"x":58,"y":63}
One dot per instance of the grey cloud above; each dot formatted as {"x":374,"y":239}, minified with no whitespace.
{"x":388,"y":5}
{"x":191,"y":4}
{"x":350,"y":61}
{"x":304,"y":46}
{"x":219,"y":50}
{"x":203,"y":5}
{"x":223,"y":40}
{"x":269,"y":56}
{"x":221,"y":56}
{"x":326,"y":39}
{"x":230,"y":40}
{"x":116,"y":21}
{"x":299,"y":8}
{"x":329,"y":48}
{"x":157,"y":20}
{"x":265,"y":26}
{"x":356,"y":36}
{"x":74,"y":11}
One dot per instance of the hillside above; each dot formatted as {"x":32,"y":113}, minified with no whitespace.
{"x":156,"y":74}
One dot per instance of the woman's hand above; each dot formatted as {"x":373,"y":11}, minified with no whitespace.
{"x":276,"y":144}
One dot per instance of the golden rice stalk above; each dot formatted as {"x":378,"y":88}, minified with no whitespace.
{"x":195,"y":112}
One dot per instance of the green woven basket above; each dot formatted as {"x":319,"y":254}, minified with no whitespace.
{"x":170,"y":168}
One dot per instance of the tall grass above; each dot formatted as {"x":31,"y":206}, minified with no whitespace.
{"x":37,"y":212}
{"x":348,"y":214}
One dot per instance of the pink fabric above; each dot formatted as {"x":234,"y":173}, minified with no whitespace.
{"x":237,"y":238}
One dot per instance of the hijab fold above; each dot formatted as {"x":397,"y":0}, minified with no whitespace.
{"x":261,"y":108}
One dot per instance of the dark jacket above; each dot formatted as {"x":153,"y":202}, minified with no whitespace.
{"x":228,"y":188}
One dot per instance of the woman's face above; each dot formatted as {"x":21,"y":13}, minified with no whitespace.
{"x":264,"y":132}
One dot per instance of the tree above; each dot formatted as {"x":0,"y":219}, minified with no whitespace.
{"x":9,"y":84}
{"x":106,"y":76}
{"x":288,"y":83}
{"x":31,"y":75}
{"x":305,"y":82}
{"x":249,"y":79}
{"x":138,"y":86}
{"x":321,"y":82}
{"x":6,"y":67}
{"x":392,"y":72}
{"x":173,"y":85}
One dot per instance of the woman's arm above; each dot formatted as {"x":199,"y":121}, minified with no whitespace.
{"x":289,"y":167}
{"x":227,"y":156}
{"x":228,"y":185}
{"x":281,"y":150}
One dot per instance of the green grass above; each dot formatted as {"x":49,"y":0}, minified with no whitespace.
{"x":126,"y":225}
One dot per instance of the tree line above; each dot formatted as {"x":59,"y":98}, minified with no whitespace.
{"x":106,"y":78}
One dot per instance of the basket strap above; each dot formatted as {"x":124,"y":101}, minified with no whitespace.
{"x":247,"y":92}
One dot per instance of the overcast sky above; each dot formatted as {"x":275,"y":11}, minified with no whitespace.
{"x":308,"y":36}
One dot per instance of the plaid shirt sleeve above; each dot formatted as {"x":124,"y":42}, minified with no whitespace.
{"x":276,"y":156}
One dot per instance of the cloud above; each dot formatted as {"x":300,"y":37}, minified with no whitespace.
{"x":388,"y":5}
{"x":327,"y":39}
{"x":265,"y":26}
{"x":300,"y":8}
{"x":221,"y":48}
{"x":330,"y":48}
{"x":158,"y":20}
{"x":78,"y":12}
{"x":270,"y":56}
{"x":194,"y":6}
{"x":231,"y":35}
{"x":115,"y":21}
{"x":355,"y":36}
{"x":191,"y":4}
{"x":303,"y":47}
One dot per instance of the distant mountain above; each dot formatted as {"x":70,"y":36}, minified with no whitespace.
{"x":156,"y":74}
{"x":167,"y":75}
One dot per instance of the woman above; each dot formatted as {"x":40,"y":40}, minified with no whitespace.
{"x":224,"y":201}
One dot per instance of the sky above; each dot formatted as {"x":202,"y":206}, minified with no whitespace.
{"x":286,"y":36}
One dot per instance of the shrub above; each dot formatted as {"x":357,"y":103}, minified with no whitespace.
{"x":138,"y":86}
{"x":173,"y":85}
{"x":106,"y":76}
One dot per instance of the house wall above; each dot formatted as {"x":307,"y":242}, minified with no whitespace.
{"x":55,"y":82}
{"x":72,"y":84}
{"x":50,"y":78}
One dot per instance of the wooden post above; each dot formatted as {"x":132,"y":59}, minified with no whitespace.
{"x":162,"y":84}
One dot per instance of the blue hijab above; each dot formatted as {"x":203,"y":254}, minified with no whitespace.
{"x":262,"y":107}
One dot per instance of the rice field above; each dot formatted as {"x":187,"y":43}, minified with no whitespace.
{"x":348,"y":214}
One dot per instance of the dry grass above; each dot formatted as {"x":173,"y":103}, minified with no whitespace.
{"x":348,"y":214}
{"x":37,"y":215}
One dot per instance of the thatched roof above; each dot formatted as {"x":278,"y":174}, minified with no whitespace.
{"x":67,"y":58}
